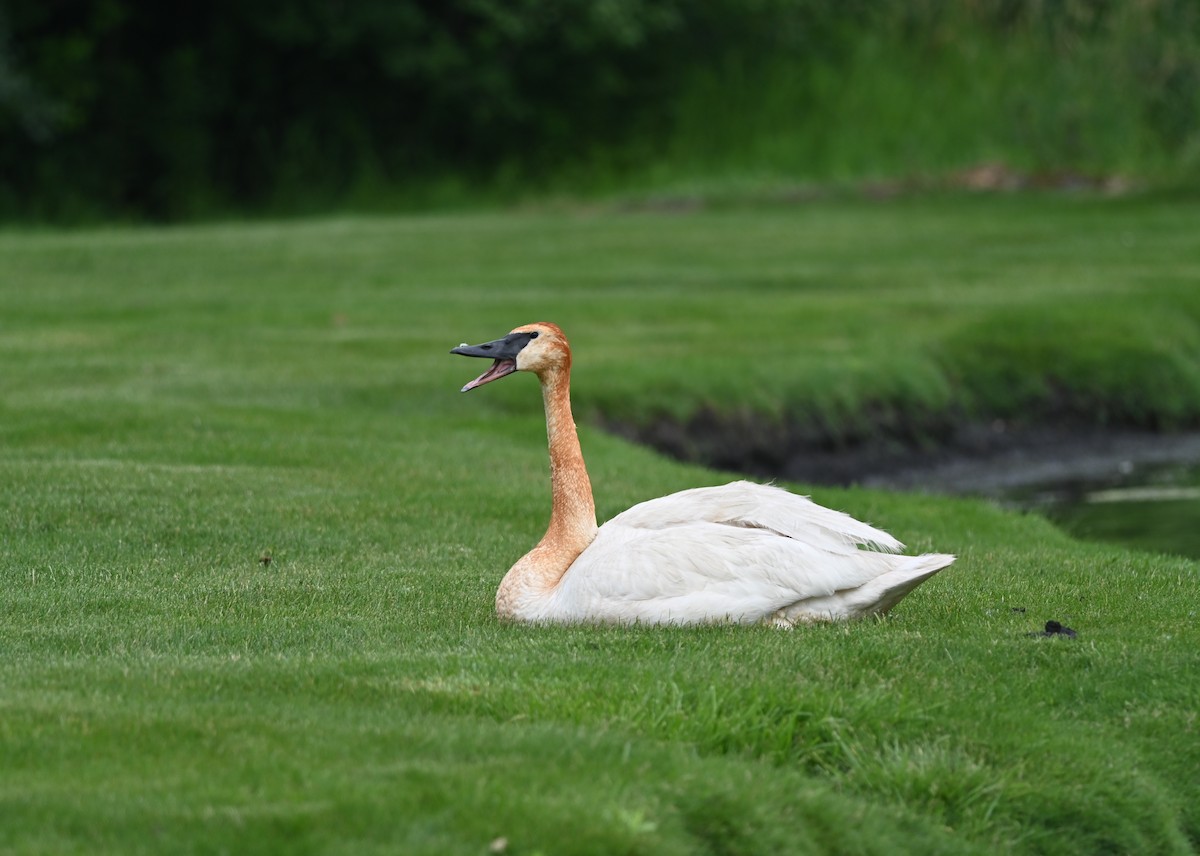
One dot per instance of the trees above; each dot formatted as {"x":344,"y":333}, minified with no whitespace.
{"x":172,"y":110}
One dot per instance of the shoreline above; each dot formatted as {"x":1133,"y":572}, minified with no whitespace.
{"x":1048,"y":457}
{"x":991,"y":460}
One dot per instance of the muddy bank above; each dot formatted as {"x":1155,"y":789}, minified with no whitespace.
{"x":984,"y":459}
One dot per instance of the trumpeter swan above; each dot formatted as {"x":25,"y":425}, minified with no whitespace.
{"x":741,"y":552}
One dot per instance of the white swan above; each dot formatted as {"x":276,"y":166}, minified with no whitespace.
{"x":742,"y":553}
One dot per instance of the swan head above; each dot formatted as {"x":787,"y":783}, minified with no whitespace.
{"x":540,"y":348}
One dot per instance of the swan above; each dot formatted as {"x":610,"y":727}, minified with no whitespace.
{"x":743,"y":552}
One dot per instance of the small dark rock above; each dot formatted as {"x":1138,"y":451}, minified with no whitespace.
{"x":1018,"y":609}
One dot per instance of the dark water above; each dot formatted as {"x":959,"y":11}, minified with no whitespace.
{"x":1157,"y":510}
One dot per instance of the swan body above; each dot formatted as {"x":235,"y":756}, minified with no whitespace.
{"x":742,"y":552}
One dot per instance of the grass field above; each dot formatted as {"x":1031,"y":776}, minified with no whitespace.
{"x":179,"y":405}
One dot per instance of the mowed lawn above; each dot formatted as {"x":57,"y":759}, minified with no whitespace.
{"x":252,"y":533}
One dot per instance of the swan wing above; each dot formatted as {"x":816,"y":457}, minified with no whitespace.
{"x":759,"y":506}
{"x":704,"y":571}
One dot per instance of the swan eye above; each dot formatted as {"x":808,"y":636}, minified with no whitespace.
{"x":533,"y":334}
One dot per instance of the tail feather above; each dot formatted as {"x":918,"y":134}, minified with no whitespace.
{"x":874,"y":597}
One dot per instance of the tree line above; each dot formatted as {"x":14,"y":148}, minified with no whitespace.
{"x":165,"y":111}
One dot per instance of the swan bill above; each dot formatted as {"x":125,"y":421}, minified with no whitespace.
{"x":503,"y":351}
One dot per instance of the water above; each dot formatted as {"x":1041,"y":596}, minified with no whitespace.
{"x":1157,"y":510}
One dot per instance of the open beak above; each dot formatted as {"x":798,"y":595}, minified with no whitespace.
{"x":503,"y":351}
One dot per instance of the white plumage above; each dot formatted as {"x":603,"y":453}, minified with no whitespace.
{"x":742,"y":552}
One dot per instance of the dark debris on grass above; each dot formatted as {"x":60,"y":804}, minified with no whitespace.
{"x":1055,"y":628}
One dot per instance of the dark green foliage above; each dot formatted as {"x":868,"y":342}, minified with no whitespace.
{"x":113,"y":107}
{"x":161,"y":110}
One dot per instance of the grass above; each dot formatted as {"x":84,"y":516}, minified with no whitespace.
{"x":179,"y":404}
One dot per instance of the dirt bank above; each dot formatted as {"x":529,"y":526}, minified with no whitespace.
{"x":983,"y":459}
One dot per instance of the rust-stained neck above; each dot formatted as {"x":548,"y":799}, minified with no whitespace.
{"x":573,"y":517}
{"x":531,"y":582}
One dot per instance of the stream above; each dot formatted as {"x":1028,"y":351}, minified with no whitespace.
{"x":1155,"y":508}
{"x":1139,"y":490}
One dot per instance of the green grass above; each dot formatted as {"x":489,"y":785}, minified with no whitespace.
{"x":177,"y":403}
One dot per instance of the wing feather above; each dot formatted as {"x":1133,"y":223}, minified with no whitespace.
{"x":739,"y":552}
{"x":759,"y":506}
{"x":702,"y":571}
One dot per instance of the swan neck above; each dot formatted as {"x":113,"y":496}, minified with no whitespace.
{"x":573,"y":516}
{"x":529,"y":586}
